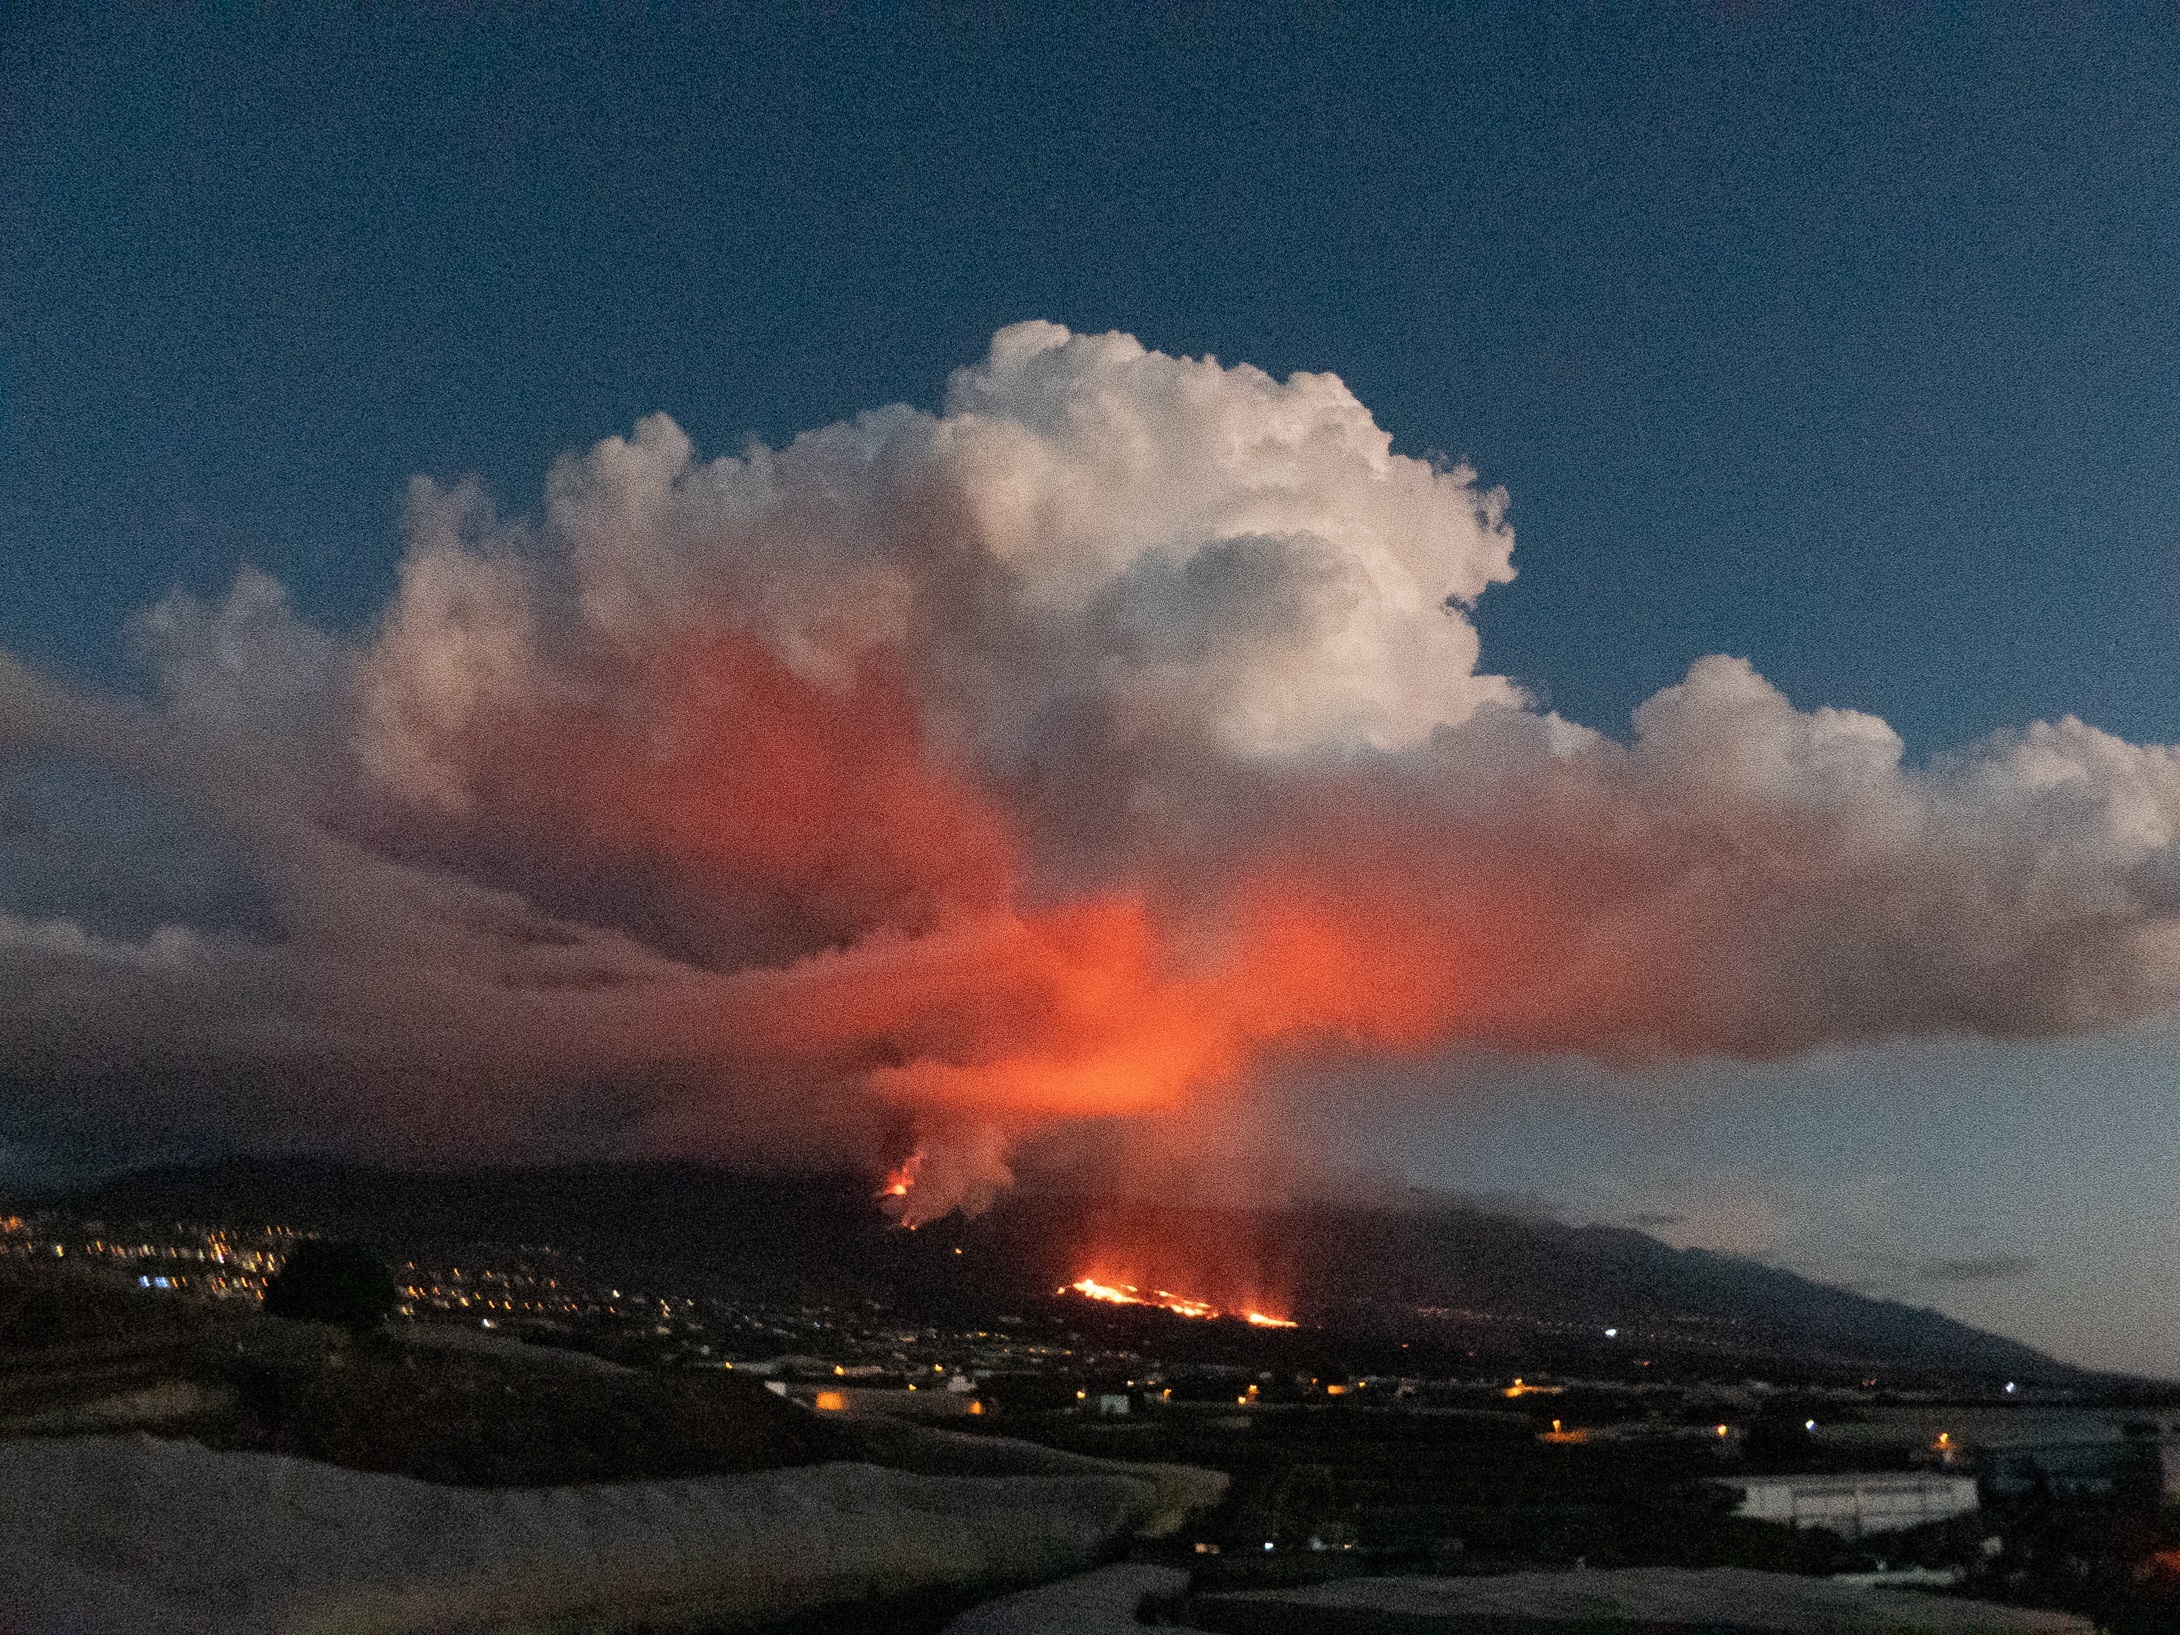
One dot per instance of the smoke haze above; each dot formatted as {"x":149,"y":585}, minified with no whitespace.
{"x":1080,"y":754}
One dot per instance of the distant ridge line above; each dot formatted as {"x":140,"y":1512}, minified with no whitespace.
{"x":1349,"y":1263}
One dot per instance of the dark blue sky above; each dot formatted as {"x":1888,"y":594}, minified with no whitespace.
{"x":1845,"y":341}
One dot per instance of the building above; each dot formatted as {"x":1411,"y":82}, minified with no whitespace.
{"x":2079,"y":1467}
{"x":1856,"y":1504}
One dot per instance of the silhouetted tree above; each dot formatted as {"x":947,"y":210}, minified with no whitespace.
{"x":333,"y":1282}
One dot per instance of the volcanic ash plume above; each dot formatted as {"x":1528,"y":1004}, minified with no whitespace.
{"x":1078,"y":752}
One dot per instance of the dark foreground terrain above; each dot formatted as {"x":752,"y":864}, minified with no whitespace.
{"x":1453,"y":1480}
{"x":1450,"y":1402}
{"x":83,"y":1351}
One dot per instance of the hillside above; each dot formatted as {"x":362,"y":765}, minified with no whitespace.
{"x":1488,"y":1285}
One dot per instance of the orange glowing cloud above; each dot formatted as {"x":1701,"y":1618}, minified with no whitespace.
{"x":1084,"y":751}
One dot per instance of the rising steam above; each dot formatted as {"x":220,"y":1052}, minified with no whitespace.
{"x":1084,"y":749}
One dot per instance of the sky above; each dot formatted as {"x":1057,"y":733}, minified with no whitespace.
{"x":1835,"y":342}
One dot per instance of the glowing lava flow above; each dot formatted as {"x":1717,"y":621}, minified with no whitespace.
{"x":903,"y":1177}
{"x":1127,"y":1294}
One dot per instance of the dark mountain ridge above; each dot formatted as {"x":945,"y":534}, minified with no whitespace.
{"x":1451,"y":1278}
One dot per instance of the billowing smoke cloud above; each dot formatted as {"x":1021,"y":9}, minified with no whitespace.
{"x":1083,"y":751}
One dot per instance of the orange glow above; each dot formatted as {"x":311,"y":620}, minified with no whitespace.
{"x":847,"y":894}
{"x":859,"y":886}
{"x":1152,"y":1255}
{"x":1521,"y":1388}
{"x":1091,"y":1289}
{"x":769,"y":785}
{"x":887,"y":876}
{"x":1127,"y":1294}
{"x":1181,"y":1305}
{"x":831,"y":1402}
{"x":902,"y":1176}
{"x":1112,"y":1005}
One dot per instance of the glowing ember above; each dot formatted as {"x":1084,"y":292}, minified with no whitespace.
{"x":903,"y":1176}
{"x":1127,"y":1294}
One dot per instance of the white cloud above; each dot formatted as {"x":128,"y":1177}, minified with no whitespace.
{"x":1200,"y":551}
{"x":1110,"y":733}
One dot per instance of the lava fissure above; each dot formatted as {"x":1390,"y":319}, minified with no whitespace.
{"x":1181,"y":1305}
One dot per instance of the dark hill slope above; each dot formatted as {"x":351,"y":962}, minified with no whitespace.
{"x":1493,"y":1284}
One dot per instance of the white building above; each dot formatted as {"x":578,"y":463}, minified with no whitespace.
{"x":1854,"y":1505}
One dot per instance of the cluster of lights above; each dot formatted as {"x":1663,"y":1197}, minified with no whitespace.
{"x":216,"y":1265}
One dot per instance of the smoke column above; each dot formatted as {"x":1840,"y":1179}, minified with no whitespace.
{"x":1089,"y":748}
